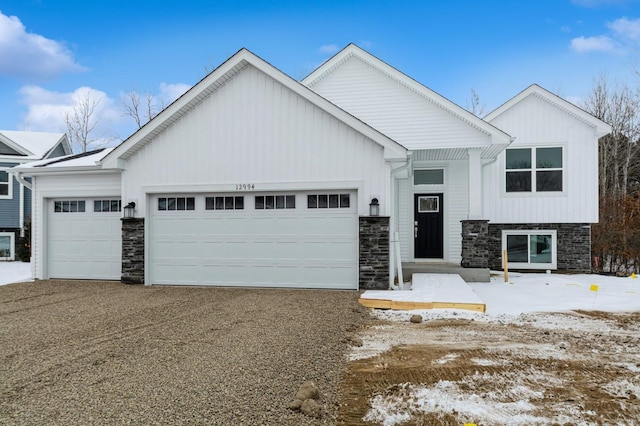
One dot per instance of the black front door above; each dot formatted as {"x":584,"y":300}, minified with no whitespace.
{"x":427,"y":226}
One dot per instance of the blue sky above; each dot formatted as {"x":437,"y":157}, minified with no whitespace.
{"x":53,"y":50}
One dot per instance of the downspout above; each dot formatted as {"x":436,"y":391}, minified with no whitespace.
{"x":22,"y":180}
{"x":392,"y":222}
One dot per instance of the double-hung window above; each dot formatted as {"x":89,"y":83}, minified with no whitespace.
{"x":534,"y":169}
{"x":5,"y":184}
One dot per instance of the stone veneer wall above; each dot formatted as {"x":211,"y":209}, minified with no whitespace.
{"x":573,"y":244}
{"x":132,"y":251}
{"x":475,"y":244}
{"x":374,"y":252}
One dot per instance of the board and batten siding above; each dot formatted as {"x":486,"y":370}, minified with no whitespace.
{"x":456,"y":207}
{"x":73,"y":186}
{"x":395,"y":110}
{"x":253,"y":130}
{"x":537,"y":123}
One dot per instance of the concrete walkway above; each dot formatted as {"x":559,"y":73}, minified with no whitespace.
{"x":427,"y":291}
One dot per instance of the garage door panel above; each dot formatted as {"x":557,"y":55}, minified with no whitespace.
{"x":83,"y":245}
{"x":277,"y":248}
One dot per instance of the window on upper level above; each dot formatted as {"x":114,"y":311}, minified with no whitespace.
{"x":5,"y":184}
{"x":534,"y":169}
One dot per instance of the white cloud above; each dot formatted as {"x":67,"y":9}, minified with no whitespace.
{"x":592,"y":44}
{"x":46,"y":111}
{"x":171,"y":92}
{"x":626,"y":28}
{"x":30,"y":55}
{"x":328,"y":49}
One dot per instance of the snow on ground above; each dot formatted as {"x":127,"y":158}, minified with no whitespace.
{"x":527,"y":299}
{"x":538,"y":293}
{"x":15,"y":272}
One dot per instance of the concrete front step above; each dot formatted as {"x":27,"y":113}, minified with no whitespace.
{"x":468,"y":274}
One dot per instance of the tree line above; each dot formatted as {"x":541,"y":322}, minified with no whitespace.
{"x":615,"y":242}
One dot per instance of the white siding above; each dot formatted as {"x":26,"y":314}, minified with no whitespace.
{"x":456,"y":204}
{"x":253,"y":130}
{"x":535,"y":122}
{"x":57,"y":186}
{"x":398,"y":112}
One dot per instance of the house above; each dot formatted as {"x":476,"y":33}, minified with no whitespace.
{"x":18,"y":148}
{"x":252,"y":178}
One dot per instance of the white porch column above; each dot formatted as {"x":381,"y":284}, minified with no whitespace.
{"x":475,"y":183}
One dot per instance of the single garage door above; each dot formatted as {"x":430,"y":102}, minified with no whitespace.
{"x":84,"y":238}
{"x":302,"y":240}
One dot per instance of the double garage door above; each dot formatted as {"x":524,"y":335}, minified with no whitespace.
{"x":287,"y":239}
{"x":84,"y":238}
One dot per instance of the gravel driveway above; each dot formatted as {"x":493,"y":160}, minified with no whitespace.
{"x":74,"y":352}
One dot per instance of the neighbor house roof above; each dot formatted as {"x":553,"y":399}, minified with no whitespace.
{"x":29,"y":146}
{"x":86,"y":161}
{"x":216,"y":79}
{"x":600,"y":127}
{"x":498,"y":137}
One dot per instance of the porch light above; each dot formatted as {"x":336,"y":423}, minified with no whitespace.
{"x":130,"y":210}
{"x":374,"y":207}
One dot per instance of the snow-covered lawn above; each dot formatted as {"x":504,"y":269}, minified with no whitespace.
{"x":530,"y":342}
{"x":15,"y":272}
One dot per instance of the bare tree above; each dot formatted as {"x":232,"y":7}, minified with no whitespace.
{"x":133,"y":106}
{"x":82,"y":120}
{"x":475,"y":107}
{"x":618,"y":151}
{"x":615,"y":237}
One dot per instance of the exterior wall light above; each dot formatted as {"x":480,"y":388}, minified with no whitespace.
{"x":130,"y":210}
{"x":374,"y":207}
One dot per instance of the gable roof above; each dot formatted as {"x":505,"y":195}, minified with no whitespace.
{"x":216,"y":79}
{"x":600,"y":127}
{"x":86,"y":161}
{"x":30,"y":146}
{"x":497,"y":136}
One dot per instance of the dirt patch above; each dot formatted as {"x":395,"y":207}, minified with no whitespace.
{"x":453,"y":372}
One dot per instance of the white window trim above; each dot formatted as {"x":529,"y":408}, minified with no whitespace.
{"x":529,"y":265}
{"x":533,"y":169}
{"x":12,"y":245}
{"x":9,"y":196}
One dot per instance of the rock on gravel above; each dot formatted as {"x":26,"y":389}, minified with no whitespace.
{"x":77,"y":352}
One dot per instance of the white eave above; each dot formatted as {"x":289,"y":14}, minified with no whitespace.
{"x":218,"y":77}
{"x":600,"y":127}
{"x":496,"y":136}
{"x":86,"y":162}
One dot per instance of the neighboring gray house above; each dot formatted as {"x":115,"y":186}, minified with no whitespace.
{"x":18,"y":148}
